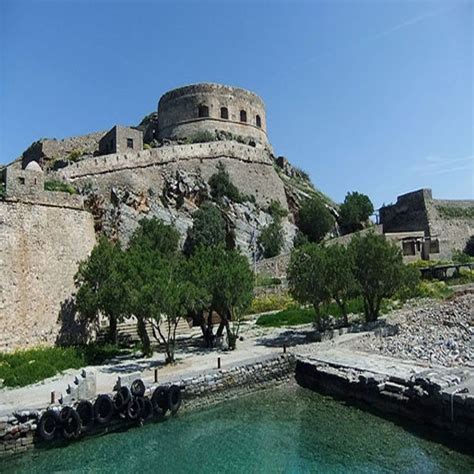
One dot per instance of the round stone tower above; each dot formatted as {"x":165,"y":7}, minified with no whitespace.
{"x":189,"y":110}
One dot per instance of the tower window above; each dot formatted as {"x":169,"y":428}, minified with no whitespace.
{"x":224,"y":113}
{"x":203,"y":111}
{"x":129,"y":142}
{"x":243,"y":116}
{"x":258,"y":121}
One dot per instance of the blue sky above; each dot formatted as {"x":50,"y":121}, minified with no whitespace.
{"x":373,"y":96}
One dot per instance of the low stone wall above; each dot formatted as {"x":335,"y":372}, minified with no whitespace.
{"x":430,"y":399}
{"x":18,"y":431}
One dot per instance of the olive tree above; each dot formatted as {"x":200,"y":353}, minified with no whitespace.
{"x":101,"y":285}
{"x":378,"y":269}
{"x":307,"y":279}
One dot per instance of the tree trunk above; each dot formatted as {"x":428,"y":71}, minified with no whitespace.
{"x":112,"y":336}
{"x":143,"y":335}
{"x":318,"y":316}
{"x":342,"y":306}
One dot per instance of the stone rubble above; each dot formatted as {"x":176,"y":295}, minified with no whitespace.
{"x":436,"y":333}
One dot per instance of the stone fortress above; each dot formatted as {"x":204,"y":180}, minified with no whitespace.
{"x":159,"y":168}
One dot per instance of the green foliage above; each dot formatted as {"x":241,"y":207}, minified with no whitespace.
{"x":451,"y":212}
{"x":147,"y":146}
{"x":315,"y":220}
{"x":355,"y":210}
{"x":411,"y":279}
{"x":307,"y":279}
{"x":202,"y":136}
{"x":433,"y":289}
{"x":101,"y":285}
{"x":208,"y":229}
{"x":3,"y":191}
{"x":25,"y":367}
{"x":276,"y":210}
{"x":75,"y":154}
{"x":54,"y":185}
{"x":153,"y":235}
{"x":221,"y":185}
{"x":270,"y":239}
{"x":469,"y":248}
{"x":339,"y":276}
{"x":300,"y":239}
{"x":265,"y":280}
{"x":461,"y":257}
{"x":262,"y":304}
{"x":378,"y":270}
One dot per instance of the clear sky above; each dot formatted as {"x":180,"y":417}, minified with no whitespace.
{"x":373,"y":96}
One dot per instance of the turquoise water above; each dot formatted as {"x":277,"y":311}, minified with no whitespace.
{"x":288,"y":429}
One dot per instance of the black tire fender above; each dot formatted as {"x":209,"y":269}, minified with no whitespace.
{"x":174,"y":398}
{"x":159,"y":400}
{"x":48,"y":425}
{"x":65,"y":414}
{"x":103,"y":409}
{"x":133,"y":409}
{"x":138,"y":388}
{"x":72,"y":426}
{"x":85,"y":410}
{"x":147,"y":409}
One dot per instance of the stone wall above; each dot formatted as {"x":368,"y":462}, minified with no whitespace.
{"x":41,"y":243}
{"x":48,"y":149}
{"x":430,"y":398}
{"x":250,"y":169}
{"x":18,"y":430}
{"x":419,"y":211}
{"x":117,"y":139}
{"x":179,"y":116}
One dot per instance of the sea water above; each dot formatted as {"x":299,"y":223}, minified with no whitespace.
{"x":287,"y":429}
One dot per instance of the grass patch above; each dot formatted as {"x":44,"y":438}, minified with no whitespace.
{"x":25,"y":367}
{"x":265,"y":280}
{"x":54,"y":185}
{"x":288,"y":317}
{"x":451,"y":212}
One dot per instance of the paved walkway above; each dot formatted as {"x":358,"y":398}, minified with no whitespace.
{"x":193,"y":360}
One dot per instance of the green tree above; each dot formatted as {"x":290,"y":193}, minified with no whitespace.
{"x":315,"y":220}
{"x":469,"y":248}
{"x":223,"y":282}
{"x":150,"y":265}
{"x":101,"y":285}
{"x":221,"y":185}
{"x":307,"y":279}
{"x":208,"y":229}
{"x":340,"y":279}
{"x":378,"y":270}
{"x":355,"y":210}
{"x":270,"y":239}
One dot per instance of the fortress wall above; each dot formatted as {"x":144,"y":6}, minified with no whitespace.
{"x":251,"y":169}
{"x":178,"y":111}
{"x":40,"y":247}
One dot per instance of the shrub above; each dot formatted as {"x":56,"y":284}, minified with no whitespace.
{"x":315,"y":220}
{"x":461,"y":257}
{"x":203,"y":136}
{"x":221,"y":185}
{"x":59,"y":186}
{"x":262,"y":304}
{"x":147,"y":146}
{"x":270,"y":239}
{"x":276,"y":210}
{"x":451,"y":212}
{"x":74,"y":155}
{"x":469,"y":248}
{"x":355,"y":210}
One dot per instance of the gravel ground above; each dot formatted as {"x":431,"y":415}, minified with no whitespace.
{"x":435,"y":333}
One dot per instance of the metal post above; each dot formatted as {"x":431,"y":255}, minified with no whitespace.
{"x":156,"y":375}
{"x":218,"y":362}
{"x":53,"y":397}
{"x":284,"y":348}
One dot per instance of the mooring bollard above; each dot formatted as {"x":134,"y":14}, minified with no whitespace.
{"x":218,"y":362}
{"x":156,"y":375}
{"x":53,"y":397}
{"x":284,"y":348}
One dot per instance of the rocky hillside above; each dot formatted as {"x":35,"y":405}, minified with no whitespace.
{"x":172,"y":191}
